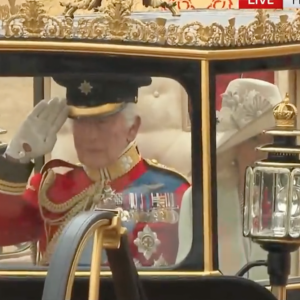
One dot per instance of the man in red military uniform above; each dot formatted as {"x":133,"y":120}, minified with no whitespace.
{"x":112,"y":172}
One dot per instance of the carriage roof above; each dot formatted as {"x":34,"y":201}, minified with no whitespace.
{"x":198,"y":34}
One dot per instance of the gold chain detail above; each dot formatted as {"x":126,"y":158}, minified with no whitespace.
{"x":48,"y":180}
{"x":69,"y":209}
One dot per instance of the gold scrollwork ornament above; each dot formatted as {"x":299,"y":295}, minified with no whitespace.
{"x":8,"y":10}
{"x":264,"y":31}
{"x":261,"y":30}
{"x":197,"y":34}
{"x":114,"y":23}
{"x":4,"y":13}
{"x":72,"y":6}
{"x":32,"y":22}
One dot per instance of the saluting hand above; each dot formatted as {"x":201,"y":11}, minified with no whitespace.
{"x":38,"y":133}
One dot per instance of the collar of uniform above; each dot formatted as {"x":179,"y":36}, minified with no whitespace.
{"x":125,"y":163}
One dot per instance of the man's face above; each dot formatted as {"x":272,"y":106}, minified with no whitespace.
{"x":100,"y":141}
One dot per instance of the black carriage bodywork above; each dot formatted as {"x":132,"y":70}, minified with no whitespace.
{"x":61,"y":46}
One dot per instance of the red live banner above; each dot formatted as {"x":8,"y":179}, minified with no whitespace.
{"x":260,"y":4}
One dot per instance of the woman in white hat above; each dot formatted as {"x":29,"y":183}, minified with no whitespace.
{"x":246,"y":111}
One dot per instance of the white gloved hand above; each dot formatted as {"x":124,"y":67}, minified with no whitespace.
{"x":38,"y":133}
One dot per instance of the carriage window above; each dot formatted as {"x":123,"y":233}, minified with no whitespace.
{"x":127,"y":134}
{"x":244,"y":109}
{"x":16,"y":102}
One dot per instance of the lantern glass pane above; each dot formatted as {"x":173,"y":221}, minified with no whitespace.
{"x":294,"y":200}
{"x":270,"y":201}
{"x":247,"y":200}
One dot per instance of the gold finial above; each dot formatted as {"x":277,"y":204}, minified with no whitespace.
{"x":285,"y":113}
{"x":31,"y":21}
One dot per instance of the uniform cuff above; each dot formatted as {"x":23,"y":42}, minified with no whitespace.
{"x":14,"y":176}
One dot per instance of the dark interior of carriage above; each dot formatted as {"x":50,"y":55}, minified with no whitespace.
{"x":156,"y":287}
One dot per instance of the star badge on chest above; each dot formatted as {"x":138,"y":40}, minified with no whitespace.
{"x":85,"y":87}
{"x":147,"y":242}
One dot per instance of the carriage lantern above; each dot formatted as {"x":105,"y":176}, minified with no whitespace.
{"x":272,"y":197}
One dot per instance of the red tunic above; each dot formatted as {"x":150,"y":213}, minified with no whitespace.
{"x":25,"y":217}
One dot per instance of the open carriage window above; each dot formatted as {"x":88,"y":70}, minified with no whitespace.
{"x":119,"y":137}
{"x":244,"y":103}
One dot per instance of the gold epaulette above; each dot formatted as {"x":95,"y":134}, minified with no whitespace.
{"x":154,"y":163}
{"x":57,"y":163}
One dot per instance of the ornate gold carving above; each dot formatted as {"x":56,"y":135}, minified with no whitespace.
{"x":115,"y":22}
{"x":4,"y":13}
{"x":32,"y":21}
{"x":196,"y":34}
{"x":8,"y":10}
{"x":72,"y":6}
{"x":285,"y":113}
{"x":264,"y":31}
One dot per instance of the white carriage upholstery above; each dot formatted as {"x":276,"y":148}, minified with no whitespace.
{"x":164,"y":134}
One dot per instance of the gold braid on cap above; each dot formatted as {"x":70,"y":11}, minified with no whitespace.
{"x":285,"y":113}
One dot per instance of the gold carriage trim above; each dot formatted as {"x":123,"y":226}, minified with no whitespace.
{"x":154,"y":163}
{"x":12,"y":188}
{"x":114,"y":22}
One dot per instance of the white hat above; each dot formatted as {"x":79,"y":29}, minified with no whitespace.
{"x":246,"y":111}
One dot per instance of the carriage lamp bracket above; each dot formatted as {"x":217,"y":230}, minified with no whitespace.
{"x":253,"y":264}
{"x":271,"y":215}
